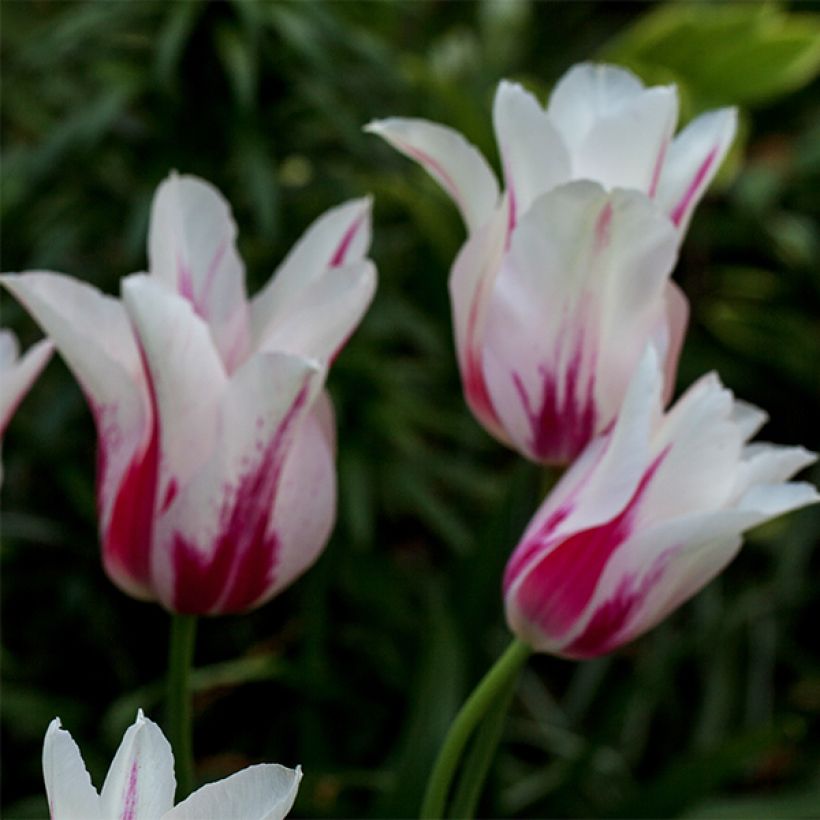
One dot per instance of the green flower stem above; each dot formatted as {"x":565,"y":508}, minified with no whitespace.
{"x":481,"y":754}
{"x":492,"y":686}
{"x":178,"y":700}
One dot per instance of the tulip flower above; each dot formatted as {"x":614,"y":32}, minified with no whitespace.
{"x":216,"y":478}
{"x":18,"y":374}
{"x":647,"y":515}
{"x":140,"y":783}
{"x":565,"y":277}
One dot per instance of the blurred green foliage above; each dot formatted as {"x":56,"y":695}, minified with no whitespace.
{"x":356,"y":671}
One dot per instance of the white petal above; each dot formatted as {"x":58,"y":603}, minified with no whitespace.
{"x":322,"y":315}
{"x":769,"y":464}
{"x":692,"y":160}
{"x":472,"y":279}
{"x":771,"y":500}
{"x":90,"y":330}
{"x":187,"y":375}
{"x":532,"y":152}
{"x":305,"y":509}
{"x":71,"y":796}
{"x":18,"y":376}
{"x":140,"y":783}
{"x":670,"y":335}
{"x":192,"y":249}
{"x":587,"y":92}
{"x":214,"y":549}
{"x":262,"y":792}
{"x":453,"y":162}
{"x":626,"y":148}
{"x":339,"y":237}
{"x":748,"y":418}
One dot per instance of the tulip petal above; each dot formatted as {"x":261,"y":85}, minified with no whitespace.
{"x":140,"y":783}
{"x":338,"y":238}
{"x":192,"y":249}
{"x":18,"y":375}
{"x":94,"y":336}
{"x":703,"y":445}
{"x":471,"y":286}
{"x":305,"y":508}
{"x":532,"y":152}
{"x":691,"y":162}
{"x":323,"y":314}
{"x":262,"y":792}
{"x":71,"y":796}
{"x":187,"y":376}
{"x":617,"y":130}
{"x":453,"y":162}
{"x":215,"y":550}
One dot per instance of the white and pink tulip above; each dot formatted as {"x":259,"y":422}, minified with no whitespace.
{"x":564,"y":276}
{"x":140,"y":783}
{"x":216,"y":441}
{"x":648,"y":514}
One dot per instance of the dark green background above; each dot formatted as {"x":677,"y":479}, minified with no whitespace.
{"x":356,"y":670}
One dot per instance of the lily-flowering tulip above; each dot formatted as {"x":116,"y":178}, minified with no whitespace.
{"x":18,"y":374}
{"x":565,"y":277}
{"x":647,"y":515}
{"x":216,"y":479}
{"x":140,"y":783}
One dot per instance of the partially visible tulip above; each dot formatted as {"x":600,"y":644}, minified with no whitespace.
{"x":140,"y":783}
{"x":216,"y":478}
{"x":600,"y":124}
{"x":565,"y":278}
{"x":18,"y":374}
{"x":648,"y":515}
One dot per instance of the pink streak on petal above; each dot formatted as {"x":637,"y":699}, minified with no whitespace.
{"x":601,"y":634}
{"x":683,"y":206}
{"x":603,"y":228}
{"x":129,"y":808}
{"x":127,"y":538}
{"x":557,"y":590}
{"x":340,"y":253}
{"x":236,"y":572}
{"x":428,"y":161}
{"x":656,"y":171}
{"x":560,"y":428}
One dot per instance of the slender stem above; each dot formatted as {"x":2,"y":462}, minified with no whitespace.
{"x":178,"y":700}
{"x":481,"y":754}
{"x":488,"y":690}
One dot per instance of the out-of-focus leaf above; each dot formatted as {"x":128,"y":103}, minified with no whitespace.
{"x":727,"y":54}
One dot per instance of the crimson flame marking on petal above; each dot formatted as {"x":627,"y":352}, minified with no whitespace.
{"x":129,"y":808}
{"x":560,"y":428}
{"x":127,"y":537}
{"x":604,"y":628}
{"x":555,"y":592}
{"x":683,"y":205}
{"x":239,"y":570}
